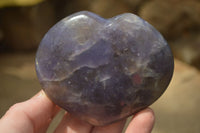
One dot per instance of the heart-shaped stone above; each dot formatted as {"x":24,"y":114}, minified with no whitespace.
{"x":103,"y":70}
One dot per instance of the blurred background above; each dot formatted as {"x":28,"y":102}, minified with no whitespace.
{"x":23,"y":23}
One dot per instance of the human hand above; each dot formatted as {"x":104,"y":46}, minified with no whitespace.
{"x":35,"y":115}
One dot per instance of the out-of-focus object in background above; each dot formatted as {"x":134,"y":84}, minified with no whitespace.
{"x":24,"y":24}
{"x":5,"y":3}
{"x":179,"y":21}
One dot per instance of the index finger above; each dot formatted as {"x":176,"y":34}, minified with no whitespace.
{"x":30,"y":116}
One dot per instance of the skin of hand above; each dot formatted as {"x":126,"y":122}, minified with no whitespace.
{"x":35,"y":115}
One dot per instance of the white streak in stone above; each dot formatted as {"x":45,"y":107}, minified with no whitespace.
{"x":79,"y":51}
{"x":104,"y":78}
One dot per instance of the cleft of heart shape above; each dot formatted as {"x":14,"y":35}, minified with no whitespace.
{"x":103,"y":70}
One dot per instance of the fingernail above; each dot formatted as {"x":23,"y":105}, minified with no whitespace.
{"x":38,"y":95}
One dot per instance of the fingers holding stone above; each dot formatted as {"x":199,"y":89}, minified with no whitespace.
{"x":142,"y":122}
{"x":116,"y":127}
{"x":71,"y":124}
{"x":33,"y":115}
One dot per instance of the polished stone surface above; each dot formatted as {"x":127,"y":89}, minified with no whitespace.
{"x":102,"y":70}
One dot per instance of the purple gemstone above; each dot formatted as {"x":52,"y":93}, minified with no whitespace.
{"x":103,"y":70}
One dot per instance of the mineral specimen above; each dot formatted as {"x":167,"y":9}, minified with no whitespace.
{"x":103,"y":70}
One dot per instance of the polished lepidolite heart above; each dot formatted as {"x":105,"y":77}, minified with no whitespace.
{"x":103,"y":70}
